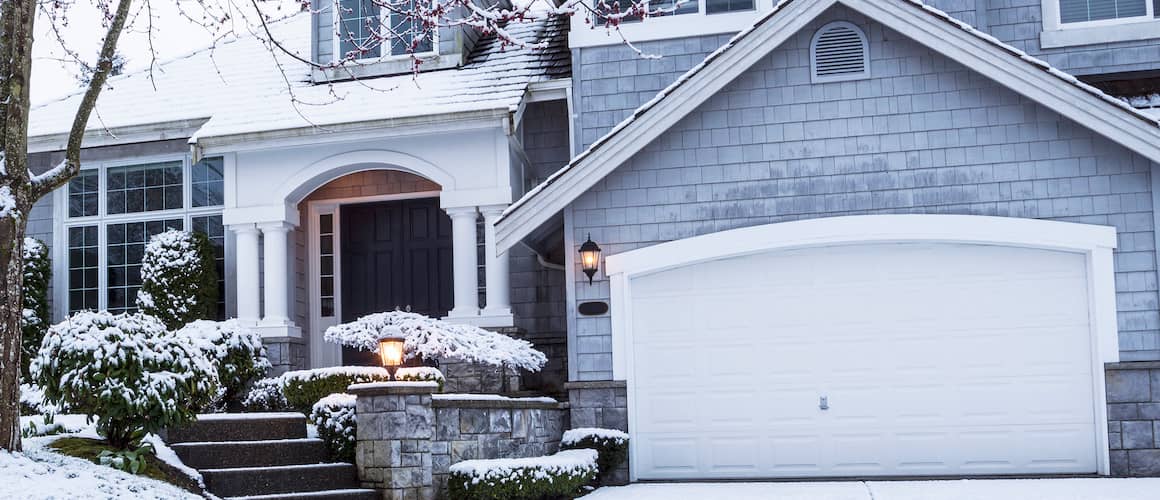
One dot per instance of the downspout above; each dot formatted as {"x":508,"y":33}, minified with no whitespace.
{"x":545,"y":263}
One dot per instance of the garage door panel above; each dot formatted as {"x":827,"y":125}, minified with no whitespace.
{"x":933,"y":358}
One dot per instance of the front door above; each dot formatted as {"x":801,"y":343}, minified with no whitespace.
{"x":395,"y":255}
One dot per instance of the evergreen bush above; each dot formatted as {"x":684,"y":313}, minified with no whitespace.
{"x":235,"y":351}
{"x":334,"y":417}
{"x":179,"y":281}
{"x":612,"y":446}
{"x":562,"y":475}
{"x":36,"y":320}
{"x":303,"y":388}
{"x":127,"y":370}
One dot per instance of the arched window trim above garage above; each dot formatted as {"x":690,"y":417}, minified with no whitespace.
{"x":839,"y":52}
{"x":1095,"y":242}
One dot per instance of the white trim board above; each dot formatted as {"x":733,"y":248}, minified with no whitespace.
{"x":1094,"y":242}
{"x":977,"y":51}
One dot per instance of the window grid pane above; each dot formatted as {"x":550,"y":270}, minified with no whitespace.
{"x":207,"y":183}
{"x":1077,"y":11}
{"x":326,"y":264}
{"x":83,"y":286}
{"x":125,"y":248}
{"x":82,"y":194}
{"x":144,"y":188}
{"x":408,"y":29}
{"x":359,"y":21}
{"x":717,"y":6}
{"x":211,"y":226}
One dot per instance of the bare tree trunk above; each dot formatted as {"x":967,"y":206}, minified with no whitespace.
{"x":11,"y":257}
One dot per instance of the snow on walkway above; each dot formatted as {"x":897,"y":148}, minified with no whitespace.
{"x":40,"y":473}
{"x":975,"y":489}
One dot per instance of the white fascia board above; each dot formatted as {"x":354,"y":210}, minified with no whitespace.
{"x":865,"y":229}
{"x":551,"y":90}
{"x":652,"y":123}
{"x":132,"y":134}
{"x":345,"y":132}
{"x":1022,"y":76}
{"x":1089,"y":35}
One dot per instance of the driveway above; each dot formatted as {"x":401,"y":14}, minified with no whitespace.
{"x":966,"y":489}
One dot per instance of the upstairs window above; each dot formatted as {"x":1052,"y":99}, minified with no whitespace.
{"x":839,"y":52}
{"x":366,"y":27}
{"x":1082,"y":11}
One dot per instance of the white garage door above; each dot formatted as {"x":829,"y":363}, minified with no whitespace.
{"x":933,"y":359}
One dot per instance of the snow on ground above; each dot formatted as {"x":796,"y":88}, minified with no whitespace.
{"x":40,"y":473}
{"x":967,"y":489}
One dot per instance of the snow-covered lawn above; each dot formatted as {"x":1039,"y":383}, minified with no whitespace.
{"x":972,"y":489}
{"x":41,"y":473}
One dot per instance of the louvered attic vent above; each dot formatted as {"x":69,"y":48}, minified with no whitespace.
{"x":839,"y":52}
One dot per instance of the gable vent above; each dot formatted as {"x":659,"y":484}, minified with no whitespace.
{"x":839,"y":52}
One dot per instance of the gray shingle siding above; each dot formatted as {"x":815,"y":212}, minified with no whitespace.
{"x":922,"y":135}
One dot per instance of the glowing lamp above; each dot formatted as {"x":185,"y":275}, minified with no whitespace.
{"x":589,"y":258}
{"x":391,"y":350}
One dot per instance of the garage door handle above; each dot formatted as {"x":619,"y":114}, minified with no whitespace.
{"x":823,"y":403}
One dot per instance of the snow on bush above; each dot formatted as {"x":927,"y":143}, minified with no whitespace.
{"x":610,"y":444}
{"x":35,"y":316}
{"x":32,"y":402}
{"x":420,"y":374}
{"x":235,"y":351}
{"x":303,"y":388}
{"x":266,"y":395}
{"x":334,"y":416}
{"x":429,"y":338}
{"x":179,"y":281}
{"x":562,"y":475}
{"x":126,"y":369}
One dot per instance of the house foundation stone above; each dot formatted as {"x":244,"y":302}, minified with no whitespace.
{"x":1133,"y":391}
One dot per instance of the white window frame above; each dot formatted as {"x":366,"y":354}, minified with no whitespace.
{"x":103,"y":219}
{"x":384,"y":49}
{"x":1056,"y":33}
{"x":666,"y":27}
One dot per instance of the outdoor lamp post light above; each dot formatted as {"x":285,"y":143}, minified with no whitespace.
{"x":590,"y":258}
{"x":391,"y":350}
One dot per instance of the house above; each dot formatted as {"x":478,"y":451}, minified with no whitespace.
{"x":841,"y":238}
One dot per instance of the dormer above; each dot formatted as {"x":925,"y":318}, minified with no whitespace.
{"x":342,"y":27}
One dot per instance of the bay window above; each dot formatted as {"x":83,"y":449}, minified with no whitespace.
{"x":113,"y":209}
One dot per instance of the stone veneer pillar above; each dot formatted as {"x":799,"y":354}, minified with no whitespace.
{"x":603,"y":404}
{"x":396,"y":424}
{"x":1133,"y":390}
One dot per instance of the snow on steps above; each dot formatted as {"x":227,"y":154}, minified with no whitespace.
{"x":263,"y":456}
{"x":355,"y":494}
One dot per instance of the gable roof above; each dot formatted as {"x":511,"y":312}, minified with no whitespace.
{"x":930,"y":27}
{"x":237,"y":87}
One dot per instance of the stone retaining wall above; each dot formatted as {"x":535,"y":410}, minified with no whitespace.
{"x":1134,"y":418}
{"x":408,"y":437}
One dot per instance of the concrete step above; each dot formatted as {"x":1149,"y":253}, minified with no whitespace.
{"x":220,"y":427}
{"x":352,"y":494}
{"x":228,"y":454}
{"x":282,"y":479}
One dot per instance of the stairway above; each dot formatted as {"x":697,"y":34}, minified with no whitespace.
{"x":263,"y":456}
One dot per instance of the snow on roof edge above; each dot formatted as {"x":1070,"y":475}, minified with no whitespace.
{"x":1062,"y":75}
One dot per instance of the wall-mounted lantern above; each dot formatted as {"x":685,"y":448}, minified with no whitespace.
{"x":590,"y":258}
{"x":391,"y":350}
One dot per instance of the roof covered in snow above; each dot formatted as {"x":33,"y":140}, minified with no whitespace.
{"x":241,"y":86}
{"x":541,"y":203}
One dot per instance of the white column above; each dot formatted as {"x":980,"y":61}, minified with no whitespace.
{"x":496,"y":265}
{"x":277,"y":293}
{"x":247,"y":276}
{"x":464,"y":262}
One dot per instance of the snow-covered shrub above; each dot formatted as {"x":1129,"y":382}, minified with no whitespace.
{"x":611,"y":444}
{"x":420,"y":374}
{"x":429,"y":338}
{"x":179,"y":281}
{"x":557,"y":476}
{"x":126,"y":369}
{"x":35,"y":316}
{"x":235,"y":351}
{"x":303,"y":388}
{"x":266,"y":395}
{"x":333,"y":415}
{"x":32,"y":402}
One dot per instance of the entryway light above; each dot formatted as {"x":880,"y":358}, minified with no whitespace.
{"x":391,"y":349}
{"x":589,"y":258}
